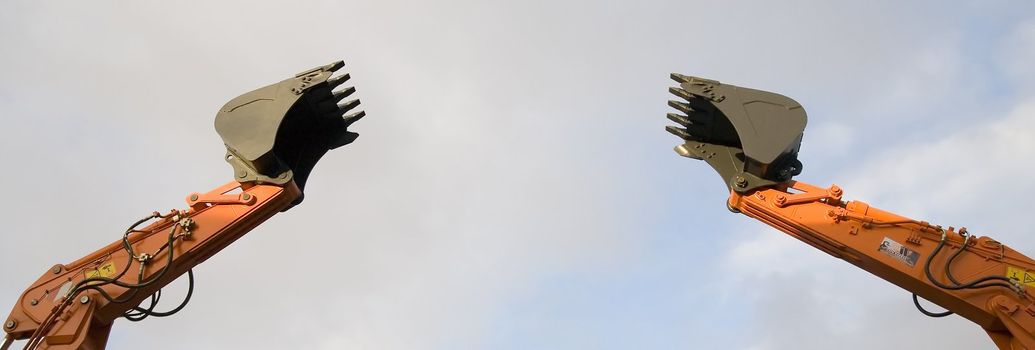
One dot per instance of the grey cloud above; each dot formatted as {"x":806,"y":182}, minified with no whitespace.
{"x":504,"y":141}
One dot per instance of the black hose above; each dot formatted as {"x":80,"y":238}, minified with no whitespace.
{"x":148,"y":281}
{"x":141,"y":282}
{"x":137,"y":314}
{"x":36,"y":338}
{"x":948,"y":270}
{"x":916,"y":302}
{"x":971,"y":285}
{"x":186,"y":299}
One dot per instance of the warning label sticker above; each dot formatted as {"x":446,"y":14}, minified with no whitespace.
{"x":899,"y":252}
{"x":1019,"y":274}
{"x":106,"y":270}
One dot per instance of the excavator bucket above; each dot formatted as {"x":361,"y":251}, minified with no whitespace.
{"x":750,"y":137}
{"x":277,"y":133}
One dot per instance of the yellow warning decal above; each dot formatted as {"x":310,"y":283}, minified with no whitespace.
{"x":107,"y":270}
{"x":1026,"y":277}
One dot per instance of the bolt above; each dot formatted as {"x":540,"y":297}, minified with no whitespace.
{"x":740,"y":181}
{"x":34,"y":302}
{"x":781,"y":200}
{"x":10,"y":324}
{"x":194,"y":197}
{"x":84,"y":299}
{"x":246,"y":196}
{"x":56,"y":269}
{"x":242,"y":174}
{"x":836,"y":191}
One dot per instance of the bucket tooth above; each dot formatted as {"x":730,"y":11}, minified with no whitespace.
{"x":342,"y":94}
{"x":347,"y":106}
{"x":679,"y":119}
{"x":680,"y":132}
{"x":330,"y":105}
{"x":680,"y":92}
{"x":338,"y":80}
{"x":681,"y":106}
{"x":334,"y":67}
{"x":679,"y":78}
{"x":354,"y":117}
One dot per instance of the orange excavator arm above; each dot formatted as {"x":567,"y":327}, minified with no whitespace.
{"x":752,"y":137}
{"x":73,"y":305}
{"x":274,"y":136}
{"x":978,"y":278}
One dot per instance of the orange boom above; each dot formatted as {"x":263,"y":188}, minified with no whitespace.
{"x":751,"y":138}
{"x":274,"y":136}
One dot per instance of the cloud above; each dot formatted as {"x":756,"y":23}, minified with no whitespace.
{"x":1018,"y":51}
{"x":455,"y":196}
{"x":810,"y":300}
{"x":507,"y":143}
{"x":947,"y":177}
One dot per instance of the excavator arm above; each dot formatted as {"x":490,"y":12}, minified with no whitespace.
{"x":752,"y":137}
{"x":274,"y":136}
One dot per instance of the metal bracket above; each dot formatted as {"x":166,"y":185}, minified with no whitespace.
{"x":811,"y":194}
{"x":243,"y":172}
{"x":201,"y":200}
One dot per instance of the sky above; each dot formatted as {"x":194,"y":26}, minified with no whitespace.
{"x":513,"y":186}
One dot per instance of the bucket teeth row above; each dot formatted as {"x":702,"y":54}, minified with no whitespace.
{"x":698,"y":108}
{"x":695,"y":110}
{"x":333,"y":106}
{"x":331,"y":98}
